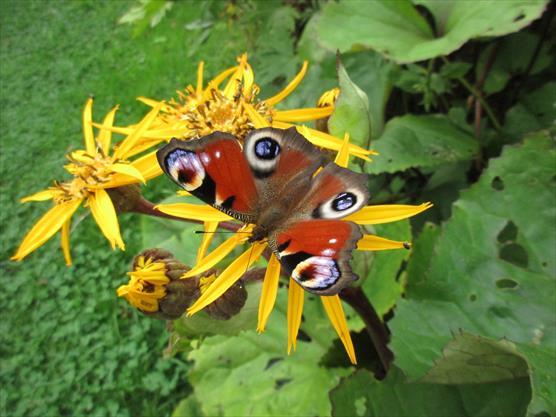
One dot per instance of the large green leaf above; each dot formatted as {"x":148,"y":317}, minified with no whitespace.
{"x":490,"y":270}
{"x":361,"y":395}
{"x":420,"y":141}
{"x":534,"y":111}
{"x":351,"y":111}
{"x":252,"y":375}
{"x":397,"y":30}
{"x":470,"y":359}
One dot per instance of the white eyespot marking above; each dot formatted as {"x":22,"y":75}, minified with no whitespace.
{"x":217,"y":154}
{"x":186,"y":169}
{"x":316,"y":273}
{"x":262,"y":150}
{"x":328,"y":252}
{"x":342,"y":204}
{"x":333,"y":240}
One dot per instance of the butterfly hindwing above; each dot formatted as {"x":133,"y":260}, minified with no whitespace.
{"x":335,"y":193}
{"x":317,"y":253}
{"x":213,"y":169}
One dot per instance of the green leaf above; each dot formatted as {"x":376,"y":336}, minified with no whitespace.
{"x":512,"y":57}
{"x":251,"y":374}
{"x":469,"y":359}
{"x":351,"y":112}
{"x":361,"y":395}
{"x":534,"y":111}
{"x":188,"y":407}
{"x":398,"y":31}
{"x":373,"y":74}
{"x":467,"y":279}
{"x":420,"y":141}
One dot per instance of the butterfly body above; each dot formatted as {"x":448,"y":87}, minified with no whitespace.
{"x":274,"y":182}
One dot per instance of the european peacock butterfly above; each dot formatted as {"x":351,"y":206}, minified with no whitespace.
{"x":272,"y":184}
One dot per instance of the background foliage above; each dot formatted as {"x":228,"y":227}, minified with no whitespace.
{"x":471,"y":308}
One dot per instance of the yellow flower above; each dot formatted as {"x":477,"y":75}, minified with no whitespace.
{"x":146,"y":286}
{"x":328,"y":98}
{"x":94,"y":171}
{"x":332,"y":304}
{"x":235,"y":108}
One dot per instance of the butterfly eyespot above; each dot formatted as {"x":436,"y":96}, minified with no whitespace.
{"x":262,"y":150}
{"x":267,"y":148}
{"x":317,"y":273}
{"x":344,"y":201}
{"x":185,"y":168}
{"x":341,"y":205}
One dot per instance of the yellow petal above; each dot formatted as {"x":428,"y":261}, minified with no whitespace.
{"x":333,"y":307}
{"x":88,"y":127}
{"x":40,"y":196}
{"x":153,"y":103}
{"x":342,"y":158}
{"x":65,"y":242}
{"x":248,"y":80}
{"x":209,"y":229}
{"x":216,"y":81}
{"x":204,"y":213}
{"x":289,"y":88}
{"x":115,"y":129}
{"x":200,"y":78}
{"x":214,"y":257}
{"x":128,"y":143}
{"x":269,"y":291}
{"x":324,"y":140}
{"x":45,"y":228}
{"x":129,"y":170}
{"x":386,"y":213}
{"x":228,"y":277}
{"x":105,"y":135}
{"x":371,"y":242}
{"x":148,"y":166}
{"x":255,"y":117}
{"x":302,"y":115}
{"x":233,"y":83}
{"x":106,"y":218}
{"x":296,"y":296}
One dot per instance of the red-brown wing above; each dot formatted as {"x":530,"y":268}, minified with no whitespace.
{"x":213,"y":169}
{"x":317,"y":253}
{"x":335,"y":193}
{"x":282,"y":161}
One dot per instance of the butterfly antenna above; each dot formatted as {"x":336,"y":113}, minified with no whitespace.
{"x":249,"y":260}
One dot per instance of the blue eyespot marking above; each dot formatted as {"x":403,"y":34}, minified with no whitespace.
{"x":267,"y":148}
{"x":344,"y":201}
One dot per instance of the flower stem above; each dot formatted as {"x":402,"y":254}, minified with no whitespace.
{"x":478,"y":96}
{"x":377,"y":330}
{"x":146,"y":207}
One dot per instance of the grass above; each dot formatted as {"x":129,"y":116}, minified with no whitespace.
{"x":69,"y":346}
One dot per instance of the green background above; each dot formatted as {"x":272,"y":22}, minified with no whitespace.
{"x":474,"y":333}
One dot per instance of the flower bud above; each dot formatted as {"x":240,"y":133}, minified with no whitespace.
{"x":328,"y":98}
{"x":228,"y":304}
{"x":155,"y":288}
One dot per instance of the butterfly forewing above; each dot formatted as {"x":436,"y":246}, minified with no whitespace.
{"x":213,"y":169}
